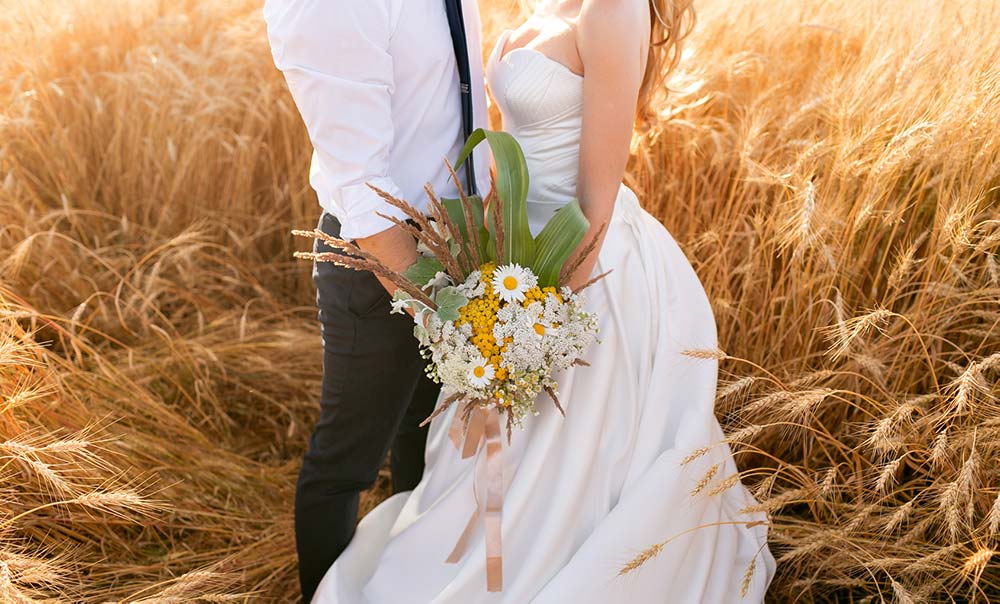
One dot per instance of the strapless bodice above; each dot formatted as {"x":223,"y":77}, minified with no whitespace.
{"x":541,"y":101}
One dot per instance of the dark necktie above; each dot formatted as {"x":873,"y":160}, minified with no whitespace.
{"x":456,"y":23}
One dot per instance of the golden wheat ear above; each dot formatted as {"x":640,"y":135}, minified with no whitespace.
{"x":353,"y":257}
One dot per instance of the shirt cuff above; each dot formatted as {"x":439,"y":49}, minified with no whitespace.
{"x":362,"y":206}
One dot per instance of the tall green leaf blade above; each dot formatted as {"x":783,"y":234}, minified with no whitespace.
{"x":457,"y":212}
{"x":488,"y":249}
{"x":477,"y":136}
{"x":554,"y":245}
{"x":512,"y":189}
{"x":481,"y":236}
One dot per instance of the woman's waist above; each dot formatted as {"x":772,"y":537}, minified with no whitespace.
{"x":541,"y":207}
{"x":552,"y":199}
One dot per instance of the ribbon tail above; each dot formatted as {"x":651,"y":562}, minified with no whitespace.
{"x":484,"y":424}
{"x":494,"y":502}
{"x":474,"y":435}
{"x":463,"y":541}
{"x":457,"y":429}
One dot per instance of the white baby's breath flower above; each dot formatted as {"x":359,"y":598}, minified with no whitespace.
{"x":399,"y":305}
{"x":440,"y":280}
{"x":423,"y":250}
{"x":473,"y":286}
{"x":480,"y":372}
{"x":511,"y":281}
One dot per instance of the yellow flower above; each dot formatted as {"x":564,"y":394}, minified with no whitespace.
{"x":481,"y":314}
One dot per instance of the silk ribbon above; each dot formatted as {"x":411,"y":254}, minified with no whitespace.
{"x":484,"y":425}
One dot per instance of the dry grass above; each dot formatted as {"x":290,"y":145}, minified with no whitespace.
{"x":831,"y":169}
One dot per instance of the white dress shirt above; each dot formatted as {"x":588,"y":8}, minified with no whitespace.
{"x":377,"y":85}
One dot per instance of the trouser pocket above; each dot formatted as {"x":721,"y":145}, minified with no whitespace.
{"x":341,"y":290}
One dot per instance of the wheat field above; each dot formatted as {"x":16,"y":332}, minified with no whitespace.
{"x":831,"y":169}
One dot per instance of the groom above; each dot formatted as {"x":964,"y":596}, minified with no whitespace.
{"x":388,"y":89}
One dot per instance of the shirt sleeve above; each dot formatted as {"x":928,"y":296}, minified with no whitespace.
{"x":335,"y":56}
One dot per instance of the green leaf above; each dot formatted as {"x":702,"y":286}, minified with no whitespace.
{"x":554,"y":245}
{"x":488,"y":250}
{"x":456,"y":212}
{"x":477,"y":136}
{"x":448,"y":301}
{"x":450,"y":296}
{"x":423,"y":270}
{"x":512,"y":189}
{"x":446,"y":313}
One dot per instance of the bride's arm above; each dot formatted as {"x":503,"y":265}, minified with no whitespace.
{"x":612,"y":38}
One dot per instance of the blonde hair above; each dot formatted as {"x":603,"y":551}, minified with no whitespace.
{"x":671,"y":21}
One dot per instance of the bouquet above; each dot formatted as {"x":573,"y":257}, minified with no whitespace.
{"x":492,"y":315}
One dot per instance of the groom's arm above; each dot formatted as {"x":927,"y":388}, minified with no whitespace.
{"x":334,"y":55}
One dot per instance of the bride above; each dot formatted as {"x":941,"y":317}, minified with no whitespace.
{"x":626,"y":468}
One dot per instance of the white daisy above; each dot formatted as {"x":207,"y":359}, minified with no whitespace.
{"x":542,"y":329}
{"x":480,"y":372}
{"x":511,"y":281}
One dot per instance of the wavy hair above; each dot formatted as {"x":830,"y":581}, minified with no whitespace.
{"x":671,"y":21}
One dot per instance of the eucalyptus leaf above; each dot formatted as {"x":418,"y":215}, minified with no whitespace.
{"x":447,"y":313}
{"x":449,"y":300}
{"x":423,"y":270}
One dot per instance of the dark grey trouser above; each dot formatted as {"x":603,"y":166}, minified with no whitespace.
{"x":374,"y":395}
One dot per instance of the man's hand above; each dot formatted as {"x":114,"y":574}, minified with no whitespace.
{"x":394,"y":247}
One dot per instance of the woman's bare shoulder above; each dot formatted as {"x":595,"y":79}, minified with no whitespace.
{"x":612,"y":25}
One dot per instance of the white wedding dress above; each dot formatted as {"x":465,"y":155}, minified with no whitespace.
{"x":585,"y":493}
